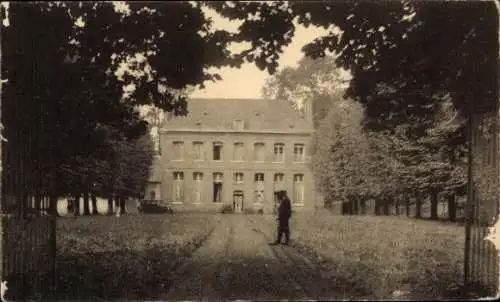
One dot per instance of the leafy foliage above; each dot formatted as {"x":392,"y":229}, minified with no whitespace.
{"x":351,"y":162}
{"x":402,"y":55}
{"x":66,"y":74}
{"x":404,"y":58}
{"x":341,"y":154}
{"x":316,"y":81}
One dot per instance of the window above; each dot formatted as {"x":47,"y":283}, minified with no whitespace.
{"x":279,"y":152}
{"x":279,"y":181}
{"x":259,"y":152}
{"x":218,"y":177}
{"x":178,"y":176}
{"x":198,"y":187}
{"x":198,"y":151}
{"x":259,"y":188}
{"x":298,"y":188}
{"x":217,"y":151}
{"x":238,"y":177}
{"x":238,"y":124}
{"x":178,"y":186}
{"x":279,"y":177}
{"x":178,"y":151}
{"x":259,"y":177}
{"x":298,"y":152}
{"x":217,"y":187}
{"x":239,"y":151}
{"x":298,"y":178}
{"x":197,"y":176}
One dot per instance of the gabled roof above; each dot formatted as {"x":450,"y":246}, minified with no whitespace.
{"x":258,"y":115}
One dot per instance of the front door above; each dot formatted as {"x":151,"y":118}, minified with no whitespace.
{"x":238,"y":201}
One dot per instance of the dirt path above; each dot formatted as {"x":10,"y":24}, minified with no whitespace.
{"x":236,"y":262}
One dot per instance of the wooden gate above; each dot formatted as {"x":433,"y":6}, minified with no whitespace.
{"x":481,"y":269}
{"x":27,"y":231}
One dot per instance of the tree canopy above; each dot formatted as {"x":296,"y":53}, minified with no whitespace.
{"x":317,"y":81}
{"x":405,"y":59}
{"x":402,"y":55}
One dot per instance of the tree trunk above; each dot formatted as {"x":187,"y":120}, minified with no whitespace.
{"x":110,"y":205}
{"x":407,"y":204}
{"x":94,"y":205}
{"x":53,"y":205}
{"x":356,"y":206}
{"x":396,"y":205}
{"x":377,"y":206}
{"x":86,"y":208}
{"x":418,"y":205}
{"x":452,"y":207}
{"x":122,"y":205}
{"x":76,"y":206}
{"x":362,"y":205}
{"x":38,"y":203}
{"x":434,"y":204}
{"x":117,"y":203}
{"x":350,"y":206}
{"x":386,"y":207}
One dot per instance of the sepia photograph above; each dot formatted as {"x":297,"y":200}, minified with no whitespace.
{"x":249,"y":150}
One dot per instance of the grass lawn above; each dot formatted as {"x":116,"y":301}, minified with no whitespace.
{"x":374,"y":256}
{"x":127,"y":257}
{"x":370,"y":257}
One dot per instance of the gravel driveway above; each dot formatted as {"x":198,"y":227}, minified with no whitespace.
{"x":237,"y":262}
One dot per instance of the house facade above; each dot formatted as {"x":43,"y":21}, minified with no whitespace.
{"x":235,"y":152}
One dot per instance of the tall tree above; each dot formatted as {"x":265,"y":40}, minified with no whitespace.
{"x":317,"y":81}
{"x":402,"y":55}
{"x":69,"y":60}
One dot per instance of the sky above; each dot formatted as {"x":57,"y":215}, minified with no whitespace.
{"x":244,"y":82}
{"x":247,"y":82}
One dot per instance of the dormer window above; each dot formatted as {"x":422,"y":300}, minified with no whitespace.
{"x":238,"y":124}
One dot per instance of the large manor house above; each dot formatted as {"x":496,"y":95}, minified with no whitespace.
{"x":236,"y":152}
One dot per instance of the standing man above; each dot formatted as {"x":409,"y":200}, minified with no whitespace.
{"x":284,"y":214}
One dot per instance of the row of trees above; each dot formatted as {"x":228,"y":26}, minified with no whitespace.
{"x":77,"y":71}
{"x":354,"y":164}
{"x":399,"y":130}
{"x":70,"y":130}
{"x":118,"y":169}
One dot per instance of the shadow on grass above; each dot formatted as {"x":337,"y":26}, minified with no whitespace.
{"x":127,"y":258}
{"x":130,"y":275}
{"x":148,"y":275}
{"x":420,"y":281}
{"x":259,"y":277}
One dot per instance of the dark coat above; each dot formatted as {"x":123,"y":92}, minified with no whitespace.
{"x":285,"y":209}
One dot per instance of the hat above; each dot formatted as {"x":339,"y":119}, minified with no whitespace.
{"x":281,"y":194}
